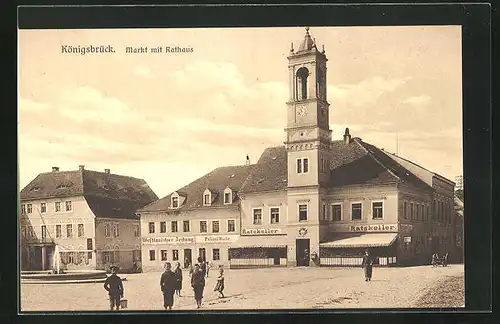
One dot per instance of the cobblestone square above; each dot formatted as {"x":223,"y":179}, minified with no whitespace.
{"x":276,"y":288}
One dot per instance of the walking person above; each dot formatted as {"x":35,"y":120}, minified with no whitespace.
{"x":114,"y":287}
{"x":367,"y":265}
{"x":435,"y":259}
{"x":198,"y":284}
{"x":178,"y":277}
{"x":203,"y":266}
{"x":219,"y":287}
{"x":168,"y":284}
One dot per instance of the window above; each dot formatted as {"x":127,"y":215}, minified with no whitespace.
{"x":405,"y":211}
{"x":175,"y":202}
{"x":58,"y":231}
{"x":202,"y":253}
{"x":106,"y":230}
{"x":151,"y":226}
{"x":257,"y":216}
{"x":323,"y":212}
{"x":44,"y":232}
{"x":215,"y":254}
{"x":43,"y":207}
{"x":275,"y":215}
{"x":322,"y":165}
{"x":69,"y":230}
{"x":175,"y":255}
{"x":302,"y":212}
{"x":164,"y":255}
{"x":227,"y":197}
{"x":152,"y":255}
{"x":356,"y":211}
{"x":215,"y":226}
{"x":23,"y":209}
{"x":412,"y":216}
{"x":428,"y":212}
{"x":203,"y":226}
{"x":81,"y":232}
{"x":301,"y":83}
{"x":377,"y":210}
{"x":185,"y":226}
{"x":163,"y":227}
{"x":303,"y":165}
{"x":231,"y":225}
{"x":68,"y":206}
{"x":90,"y":248}
{"x":116,"y":229}
{"x":137,"y":231}
{"x":174,"y":228}
{"x":58,"y":206}
{"x":336,"y":212}
{"x":30,"y":208}
{"x":206,"y":199}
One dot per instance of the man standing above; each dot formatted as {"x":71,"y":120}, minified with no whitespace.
{"x":114,"y":286}
{"x":198,"y":284}
{"x":168,"y":283}
{"x":367,"y":265}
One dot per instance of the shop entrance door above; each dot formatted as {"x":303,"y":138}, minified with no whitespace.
{"x":302,"y":252}
{"x":188,"y":258}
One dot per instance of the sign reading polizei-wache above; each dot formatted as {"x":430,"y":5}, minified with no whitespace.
{"x":374,"y":228}
{"x":261,"y":231}
{"x":216,"y":239}
{"x":168,"y":240}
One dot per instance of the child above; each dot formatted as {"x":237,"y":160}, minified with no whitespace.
{"x":219,"y":287}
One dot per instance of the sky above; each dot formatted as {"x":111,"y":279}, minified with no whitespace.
{"x":170,"y":118}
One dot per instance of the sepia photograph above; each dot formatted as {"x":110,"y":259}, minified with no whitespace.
{"x":268,"y":168}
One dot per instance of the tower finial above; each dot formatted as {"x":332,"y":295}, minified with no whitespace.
{"x":307,"y":30}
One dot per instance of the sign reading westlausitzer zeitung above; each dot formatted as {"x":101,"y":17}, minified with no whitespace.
{"x":168,"y":240}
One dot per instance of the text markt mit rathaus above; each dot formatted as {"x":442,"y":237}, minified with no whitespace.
{"x":87,"y":49}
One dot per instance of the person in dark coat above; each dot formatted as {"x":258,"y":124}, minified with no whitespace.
{"x":178,"y":277}
{"x":198,"y":284}
{"x":203,"y":266}
{"x":219,"y":287}
{"x":367,"y":265}
{"x":168,"y":284}
{"x":114,"y":286}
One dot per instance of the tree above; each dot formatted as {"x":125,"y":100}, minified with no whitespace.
{"x":459,"y":194}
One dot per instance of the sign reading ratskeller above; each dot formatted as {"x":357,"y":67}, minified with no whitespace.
{"x":261,"y":231}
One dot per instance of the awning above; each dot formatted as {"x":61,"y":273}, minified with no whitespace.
{"x":257,"y":246}
{"x":362,"y":240}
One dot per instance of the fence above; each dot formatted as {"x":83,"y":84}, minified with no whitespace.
{"x":256,"y":263}
{"x":355,"y":261}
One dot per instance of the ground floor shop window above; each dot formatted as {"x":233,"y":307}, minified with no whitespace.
{"x":164,"y":255}
{"x":152,"y":255}
{"x":175,"y":255}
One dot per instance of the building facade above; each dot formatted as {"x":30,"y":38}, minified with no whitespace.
{"x":314,"y":201}
{"x":88,"y":215}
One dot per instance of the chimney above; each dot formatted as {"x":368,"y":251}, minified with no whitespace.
{"x":248,"y":160}
{"x":347,"y":137}
{"x":81,"y":167}
{"x":107,"y":171}
{"x":55,"y":169}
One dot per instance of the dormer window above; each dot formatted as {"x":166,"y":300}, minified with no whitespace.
{"x":207,"y":198}
{"x":228,"y":196}
{"x":175,"y":202}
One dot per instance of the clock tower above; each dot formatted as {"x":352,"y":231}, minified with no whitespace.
{"x":308,"y":135}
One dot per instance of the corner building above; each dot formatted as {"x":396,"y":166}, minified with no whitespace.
{"x":314,"y":201}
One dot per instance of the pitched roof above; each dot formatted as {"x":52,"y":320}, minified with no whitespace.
{"x":216,"y":181}
{"x":270,"y":172}
{"x":108,"y":195}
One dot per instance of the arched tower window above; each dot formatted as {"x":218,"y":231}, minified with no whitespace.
{"x":302,"y":75}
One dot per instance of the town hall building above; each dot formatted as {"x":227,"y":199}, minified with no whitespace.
{"x":317,"y":200}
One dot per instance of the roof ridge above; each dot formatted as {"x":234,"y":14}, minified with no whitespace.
{"x":358,"y":141}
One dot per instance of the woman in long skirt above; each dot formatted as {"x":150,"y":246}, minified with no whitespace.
{"x":367,"y":265}
{"x":178,"y":277}
{"x":198,"y":284}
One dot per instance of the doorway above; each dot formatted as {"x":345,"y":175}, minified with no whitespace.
{"x":188,"y":259}
{"x":302,"y":252}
